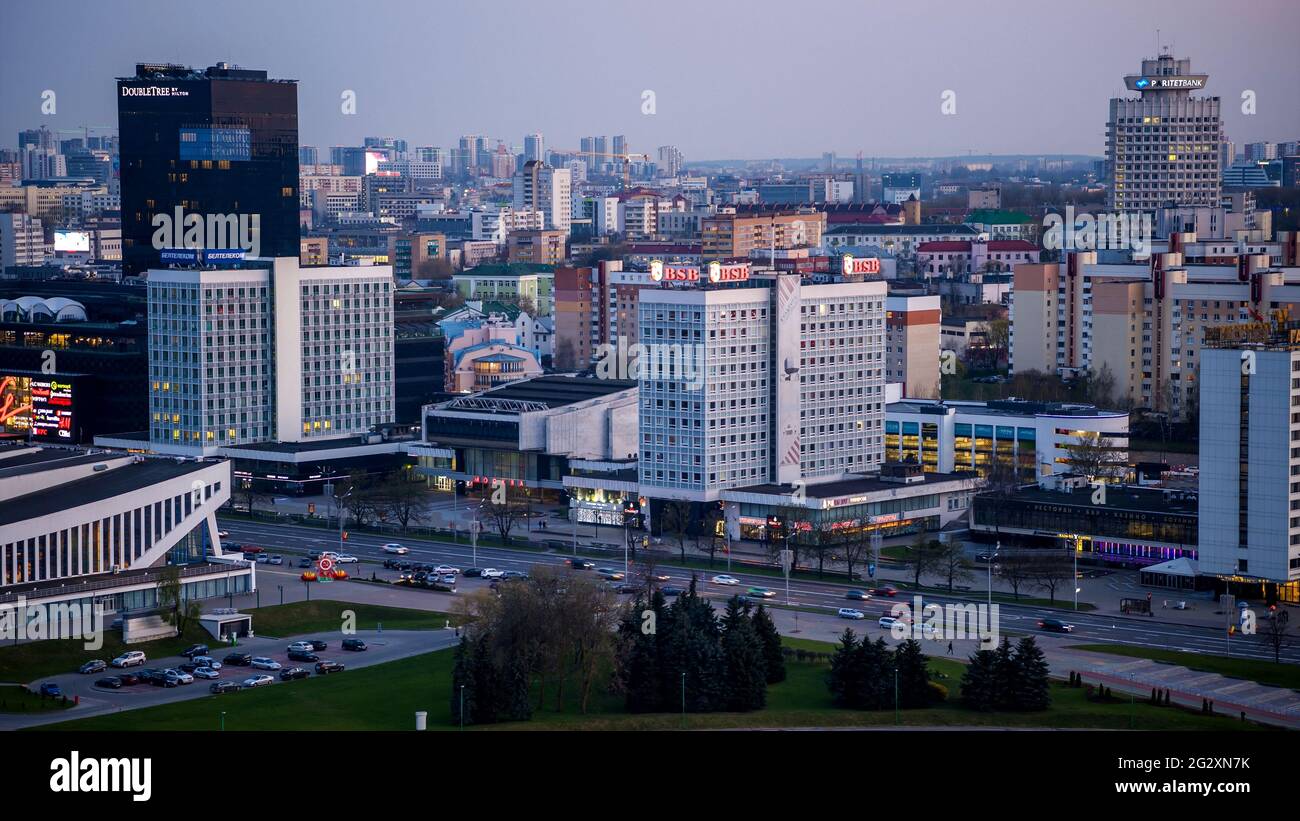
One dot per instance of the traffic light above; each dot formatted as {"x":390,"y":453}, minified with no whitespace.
{"x":345,"y":535}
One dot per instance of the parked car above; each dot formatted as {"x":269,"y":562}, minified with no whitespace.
{"x":353,"y":644}
{"x":258,"y":681}
{"x":888,"y":622}
{"x":1055,"y":626}
{"x":238,"y":659}
{"x":850,"y":613}
{"x":317,"y":644}
{"x":195,"y":650}
{"x":303,"y":655}
{"x":207,"y":661}
{"x":449,"y":578}
{"x":276,"y":560}
{"x":158,"y":678}
{"x":323,"y":667}
{"x":857,"y":595}
{"x":472,"y":572}
{"x":302,"y":646}
{"x":224,"y":687}
{"x":109,"y":683}
{"x":306,"y":561}
{"x":492,"y":573}
{"x":128,"y":679}
{"x":519,"y":574}
{"x":444,"y":569}
{"x":51,"y":689}
{"x":292,"y":673}
{"x":394,"y":547}
{"x":131,"y":658}
{"x":265,"y":663}
{"x":760,"y":593}
{"x":206,"y":673}
{"x":96,"y":666}
{"x":262,"y":558}
{"x":628,"y":588}
{"x":181,"y":676}
{"x":724,"y":579}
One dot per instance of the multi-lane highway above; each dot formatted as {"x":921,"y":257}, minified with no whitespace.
{"x":1094,"y":627}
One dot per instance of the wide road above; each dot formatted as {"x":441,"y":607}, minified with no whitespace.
{"x":294,"y":540}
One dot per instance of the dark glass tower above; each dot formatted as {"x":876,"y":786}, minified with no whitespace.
{"x":216,"y":141}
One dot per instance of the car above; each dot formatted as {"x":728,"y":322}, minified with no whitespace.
{"x":723,"y":579}
{"x":353,"y":644}
{"x":671,"y":591}
{"x":659,"y":577}
{"x":131,"y":658}
{"x":195,"y":650}
{"x":446,"y":569}
{"x":610,"y":574}
{"x":109,"y":683}
{"x":303,"y":655}
{"x":182,"y":677}
{"x":306,"y":561}
{"x":581,"y":564}
{"x":224,"y":687}
{"x":761,"y":593}
{"x":128,"y":679}
{"x":95,"y":666}
{"x":189,"y":666}
{"x":1055,"y":626}
{"x":275,"y":560}
{"x":258,"y":681}
{"x":885,"y":590}
{"x":449,"y":578}
{"x":394,"y":547}
{"x":492,"y":573}
{"x":206,"y":673}
{"x":317,"y":644}
{"x":345,"y":558}
{"x":207,"y":661}
{"x":262,"y":558}
{"x":888,"y":622}
{"x":391,"y":564}
{"x":472,"y":572}
{"x":984,"y":558}
{"x":628,"y":588}
{"x":264,"y":663}
{"x":519,"y":574}
{"x":51,"y":689}
{"x":238,"y":659}
{"x":857,"y":595}
{"x":292,"y":673}
{"x":850,"y":613}
{"x":323,"y":667}
{"x":223,"y":534}
{"x":166,"y":678}
{"x":303,"y":646}
{"x":251,"y":548}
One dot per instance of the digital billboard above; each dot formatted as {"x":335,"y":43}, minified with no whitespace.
{"x":38,"y":407}
{"x":72,"y":242}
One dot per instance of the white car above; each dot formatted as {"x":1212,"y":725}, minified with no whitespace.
{"x":181,"y":676}
{"x":223,"y":534}
{"x":344,"y":558}
{"x":131,"y":658}
{"x":446,"y":569}
{"x":264,"y":663}
{"x":850,"y":613}
{"x":888,"y":622}
{"x":725,"y":580}
{"x":393,"y":547}
{"x":492,"y":573}
{"x":300,"y":647}
{"x":258,"y":681}
{"x":207,"y":661}
{"x":206,"y":672}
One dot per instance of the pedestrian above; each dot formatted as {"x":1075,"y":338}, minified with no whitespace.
{"x":950,"y":648}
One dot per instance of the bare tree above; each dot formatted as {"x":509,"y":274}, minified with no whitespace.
{"x":675,"y":520}
{"x":402,"y":500}
{"x":1099,"y":458}
{"x":1016,"y":567}
{"x":1051,"y":569}
{"x":504,"y":514}
{"x":923,"y":557}
{"x":1275,"y":633}
{"x":952,"y":564}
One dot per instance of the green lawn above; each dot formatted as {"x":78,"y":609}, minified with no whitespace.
{"x":1264,"y":672}
{"x":386,"y":697}
{"x":18,"y":699}
{"x":23,"y":663}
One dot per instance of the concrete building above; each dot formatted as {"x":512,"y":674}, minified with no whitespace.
{"x":728,"y":236}
{"x":483,"y":354}
{"x":540,"y":247}
{"x":539,"y":187}
{"x":912,"y":344}
{"x":533,"y":282}
{"x":22,"y":241}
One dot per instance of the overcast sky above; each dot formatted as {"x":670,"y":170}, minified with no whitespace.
{"x":731,"y":78}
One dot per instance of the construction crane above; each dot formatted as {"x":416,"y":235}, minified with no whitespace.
{"x":626,"y":157}
{"x":85,"y":130}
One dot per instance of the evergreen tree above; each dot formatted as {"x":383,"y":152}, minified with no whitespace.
{"x":845,"y":676}
{"x":745,"y":671}
{"x":877,"y":685}
{"x":1004,"y":680}
{"x":979,"y":682}
{"x":913,"y":675}
{"x":462,"y":674}
{"x":639,"y":663}
{"x":486,"y":689}
{"x":765,"y":627}
{"x":1031,"y":689}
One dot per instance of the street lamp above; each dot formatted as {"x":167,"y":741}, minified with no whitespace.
{"x":992,"y":559}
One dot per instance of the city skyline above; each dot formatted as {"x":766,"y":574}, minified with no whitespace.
{"x":828,"y":71}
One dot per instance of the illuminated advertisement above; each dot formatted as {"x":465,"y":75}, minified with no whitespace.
{"x":71,"y":242}
{"x":39,"y":407}
{"x":202,"y":143}
{"x":859,"y":266}
{"x":661,"y":272}
{"x":731,"y":272}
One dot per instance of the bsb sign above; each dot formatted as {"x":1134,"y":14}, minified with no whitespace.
{"x":854,"y":266}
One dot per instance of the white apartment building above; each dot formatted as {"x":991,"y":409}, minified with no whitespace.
{"x":268,"y":352}
{"x":540,"y":187}
{"x":22,"y":241}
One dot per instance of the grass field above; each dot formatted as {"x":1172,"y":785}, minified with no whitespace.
{"x":1264,"y":672}
{"x":22,"y":663}
{"x":17,"y":699}
{"x":386,"y":697}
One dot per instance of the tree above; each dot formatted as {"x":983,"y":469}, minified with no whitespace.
{"x":714,"y":516}
{"x":950,"y":561}
{"x":855,"y":548}
{"x":675,"y":521}
{"x":1016,"y":568}
{"x":1099,"y":458}
{"x":924,"y":557}
{"x":745,"y":670}
{"x":979,"y":683}
{"x":1275,"y":633}
{"x":434,"y":269}
{"x":169,"y":593}
{"x":638,"y":659}
{"x":845,"y":676}
{"x":503,"y":514}
{"x":463,"y":680}
{"x":1051,"y":569}
{"x":765,"y":627}
{"x":565,"y":356}
{"x":402,"y":500}
{"x":913,"y":675}
{"x":1030,"y":688}
{"x":250,"y":494}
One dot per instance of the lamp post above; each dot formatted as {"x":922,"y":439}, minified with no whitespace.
{"x":343,"y":515}
{"x":462,"y":707}
{"x":996,"y":550}
{"x":281,"y":593}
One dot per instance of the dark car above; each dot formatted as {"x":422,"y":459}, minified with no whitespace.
{"x":581,"y":564}
{"x":353,"y":644}
{"x":224,"y":687}
{"x":323,"y":667}
{"x":857,"y":595}
{"x":292,"y":673}
{"x":317,"y":644}
{"x":302,"y":655}
{"x":1055,"y":626}
{"x":671,"y":591}
{"x":407,"y":566}
{"x":515,"y":574}
{"x":471,"y":572}
{"x":391,"y":564}
{"x":128,"y":679}
{"x":419,"y":577}
{"x":109,"y":683}
{"x":195,"y":650}
{"x":189,"y":666}
{"x":238,"y":659}
{"x":628,"y":588}
{"x":51,"y":689}
{"x":161,"y":678}
{"x":95,"y":666}
{"x":305,"y":561}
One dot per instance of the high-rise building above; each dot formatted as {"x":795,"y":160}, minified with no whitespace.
{"x":538,"y":186}
{"x":216,"y":143}
{"x":308,"y":155}
{"x":670,"y":161}
{"x":268,"y":352}
{"x":534,"y":147}
{"x":1249,"y":529}
{"x":1163,"y":146}
{"x":912,"y":344}
{"x":737,"y":235}
{"x":22,"y":242}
